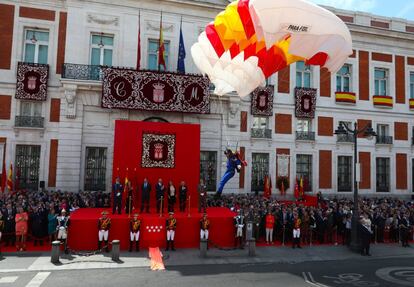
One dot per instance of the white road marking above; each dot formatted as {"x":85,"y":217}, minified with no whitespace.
{"x":8,"y":279}
{"x":307,"y":276}
{"x":38,"y":279}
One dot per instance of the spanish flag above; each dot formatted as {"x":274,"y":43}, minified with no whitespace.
{"x":161,"y":49}
{"x":301,"y":193}
{"x":126,"y":182}
{"x":10,"y":178}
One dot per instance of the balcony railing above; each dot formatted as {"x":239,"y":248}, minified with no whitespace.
{"x":383,"y":188}
{"x":305,"y":136}
{"x":82,"y":72}
{"x":384,"y":140}
{"x":261,"y":133}
{"x":29,"y":122}
{"x":348,"y":138}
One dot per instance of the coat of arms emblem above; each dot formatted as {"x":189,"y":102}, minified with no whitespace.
{"x":262,"y":101}
{"x":306,"y":104}
{"x":31,"y":83}
{"x":158,"y":151}
{"x":158,"y":93}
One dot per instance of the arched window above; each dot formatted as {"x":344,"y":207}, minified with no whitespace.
{"x":156,"y":119}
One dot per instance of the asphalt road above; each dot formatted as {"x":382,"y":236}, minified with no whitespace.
{"x":387,"y":272}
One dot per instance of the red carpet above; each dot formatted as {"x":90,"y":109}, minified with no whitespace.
{"x":83,"y":230}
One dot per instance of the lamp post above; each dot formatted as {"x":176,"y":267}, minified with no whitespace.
{"x":343,"y":129}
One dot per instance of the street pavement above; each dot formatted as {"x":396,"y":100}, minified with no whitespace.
{"x":389,"y":265}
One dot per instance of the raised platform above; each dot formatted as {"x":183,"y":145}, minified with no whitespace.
{"x":83,"y":230}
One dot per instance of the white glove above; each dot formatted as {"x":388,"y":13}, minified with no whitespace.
{"x":239,"y":166}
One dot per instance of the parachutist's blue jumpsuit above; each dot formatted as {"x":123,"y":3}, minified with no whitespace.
{"x":232,"y":164}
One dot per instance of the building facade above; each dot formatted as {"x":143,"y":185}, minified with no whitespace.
{"x":66,"y":141}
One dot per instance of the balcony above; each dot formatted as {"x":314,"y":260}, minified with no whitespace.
{"x":305,"y":136}
{"x":82,"y":72}
{"x":386,"y":140}
{"x":261,"y":133}
{"x":348,"y":138}
{"x":29,"y":122}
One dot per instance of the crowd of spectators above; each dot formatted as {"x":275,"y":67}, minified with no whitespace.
{"x":328,"y":222}
{"x":41,"y":209}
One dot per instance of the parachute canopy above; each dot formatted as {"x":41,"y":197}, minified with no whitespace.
{"x":252,"y":39}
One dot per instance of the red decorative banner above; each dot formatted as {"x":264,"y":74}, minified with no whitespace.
{"x":262,"y":101}
{"x":32,"y":81}
{"x":155,"y":91}
{"x":305,"y":103}
{"x":158,"y":150}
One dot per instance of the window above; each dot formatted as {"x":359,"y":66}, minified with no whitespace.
{"x":344,"y":173}
{"x":30,"y":109}
{"x":381,"y":82}
{"x":260,"y":168}
{"x":304,"y":170}
{"x":411,"y":85}
{"x":208,"y":169}
{"x":383,"y":174}
{"x":382,"y":130}
{"x":259,"y":123}
{"x":343,"y":79}
{"x":95,"y":168}
{"x":303,"y":75}
{"x":36,"y":46}
{"x":102,"y":49}
{"x":27,"y":166}
{"x":304,"y":126}
{"x":153,"y":46}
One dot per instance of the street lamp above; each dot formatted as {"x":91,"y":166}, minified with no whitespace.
{"x":368,"y":132}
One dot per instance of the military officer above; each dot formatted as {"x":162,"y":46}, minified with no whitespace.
{"x":297,"y":222}
{"x":62,"y":229}
{"x":171,"y":225}
{"x":204,"y":227}
{"x":239,"y":225}
{"x":104,"y":224}
{"x":134,"y":228}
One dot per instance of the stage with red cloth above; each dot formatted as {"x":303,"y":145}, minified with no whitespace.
{"x":83,"y":229}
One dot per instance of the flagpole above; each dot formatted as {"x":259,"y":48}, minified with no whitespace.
{"x":159,"y":44}
{"x":139,"y":41}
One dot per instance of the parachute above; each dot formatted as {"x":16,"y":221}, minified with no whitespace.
{"x":252,"y":39}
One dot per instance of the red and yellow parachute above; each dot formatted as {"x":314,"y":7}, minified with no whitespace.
{"x":252,"y":39}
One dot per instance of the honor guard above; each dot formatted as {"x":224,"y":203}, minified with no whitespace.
{"x":297,"y":222}
{"x":171,"y":225}
{"x":62,"y":229}
{"x":204,"y":227}
{"x":134,"y":228}
{"x":104,"y":224}
{"x":239,"y":224}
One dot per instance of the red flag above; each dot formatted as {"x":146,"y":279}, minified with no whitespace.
{"x":161,"y":49}
{"x":3,"y":176}
{"x":301,"y":190}
{"x":139,"y":41}
{"x":10,"y":178}
{"x":296,"y":193}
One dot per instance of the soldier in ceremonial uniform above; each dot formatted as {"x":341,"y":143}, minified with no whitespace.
{"x":297,"y":222}
{"x":204,"y":227}
{"x":134,"y":228}
{"x":62,"y":229}
{"x":405,"y":230}
{"x":171,"y":225}
{"x":104,"y":224}
{"x":239,"y":224}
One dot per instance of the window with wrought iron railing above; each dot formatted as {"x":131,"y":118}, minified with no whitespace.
{"x":344,"y":173}
{"x":27,"y":167}
{"x":304,"y":170}
{"x":208,"y":169}
{"x":383,"y":174}
{"x":95,"y":168}
{"x":260,"y":168}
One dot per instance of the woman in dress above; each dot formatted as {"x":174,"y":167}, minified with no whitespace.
{"x":21,"y":228}
{"x":52,"y":223}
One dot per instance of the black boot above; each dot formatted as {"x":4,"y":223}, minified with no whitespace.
{"x":137,"y":246}
{"x":172,"y":245}
{"x":241,"y":242}
{"x":107,"y":246}
{"x":130,"y":246}
{"x":298,"y":242}
{"x":99,"y":245}
{"x":168,"y":246}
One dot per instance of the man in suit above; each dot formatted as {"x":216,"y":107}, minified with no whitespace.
{"x":145,"y":199}
{"x":117,"y":190}
{"x":159,"y":193}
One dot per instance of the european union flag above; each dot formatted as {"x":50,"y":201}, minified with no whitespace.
{"x":181,"y":53}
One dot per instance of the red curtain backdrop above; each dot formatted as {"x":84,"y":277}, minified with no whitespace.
{"x":128,"y":153}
